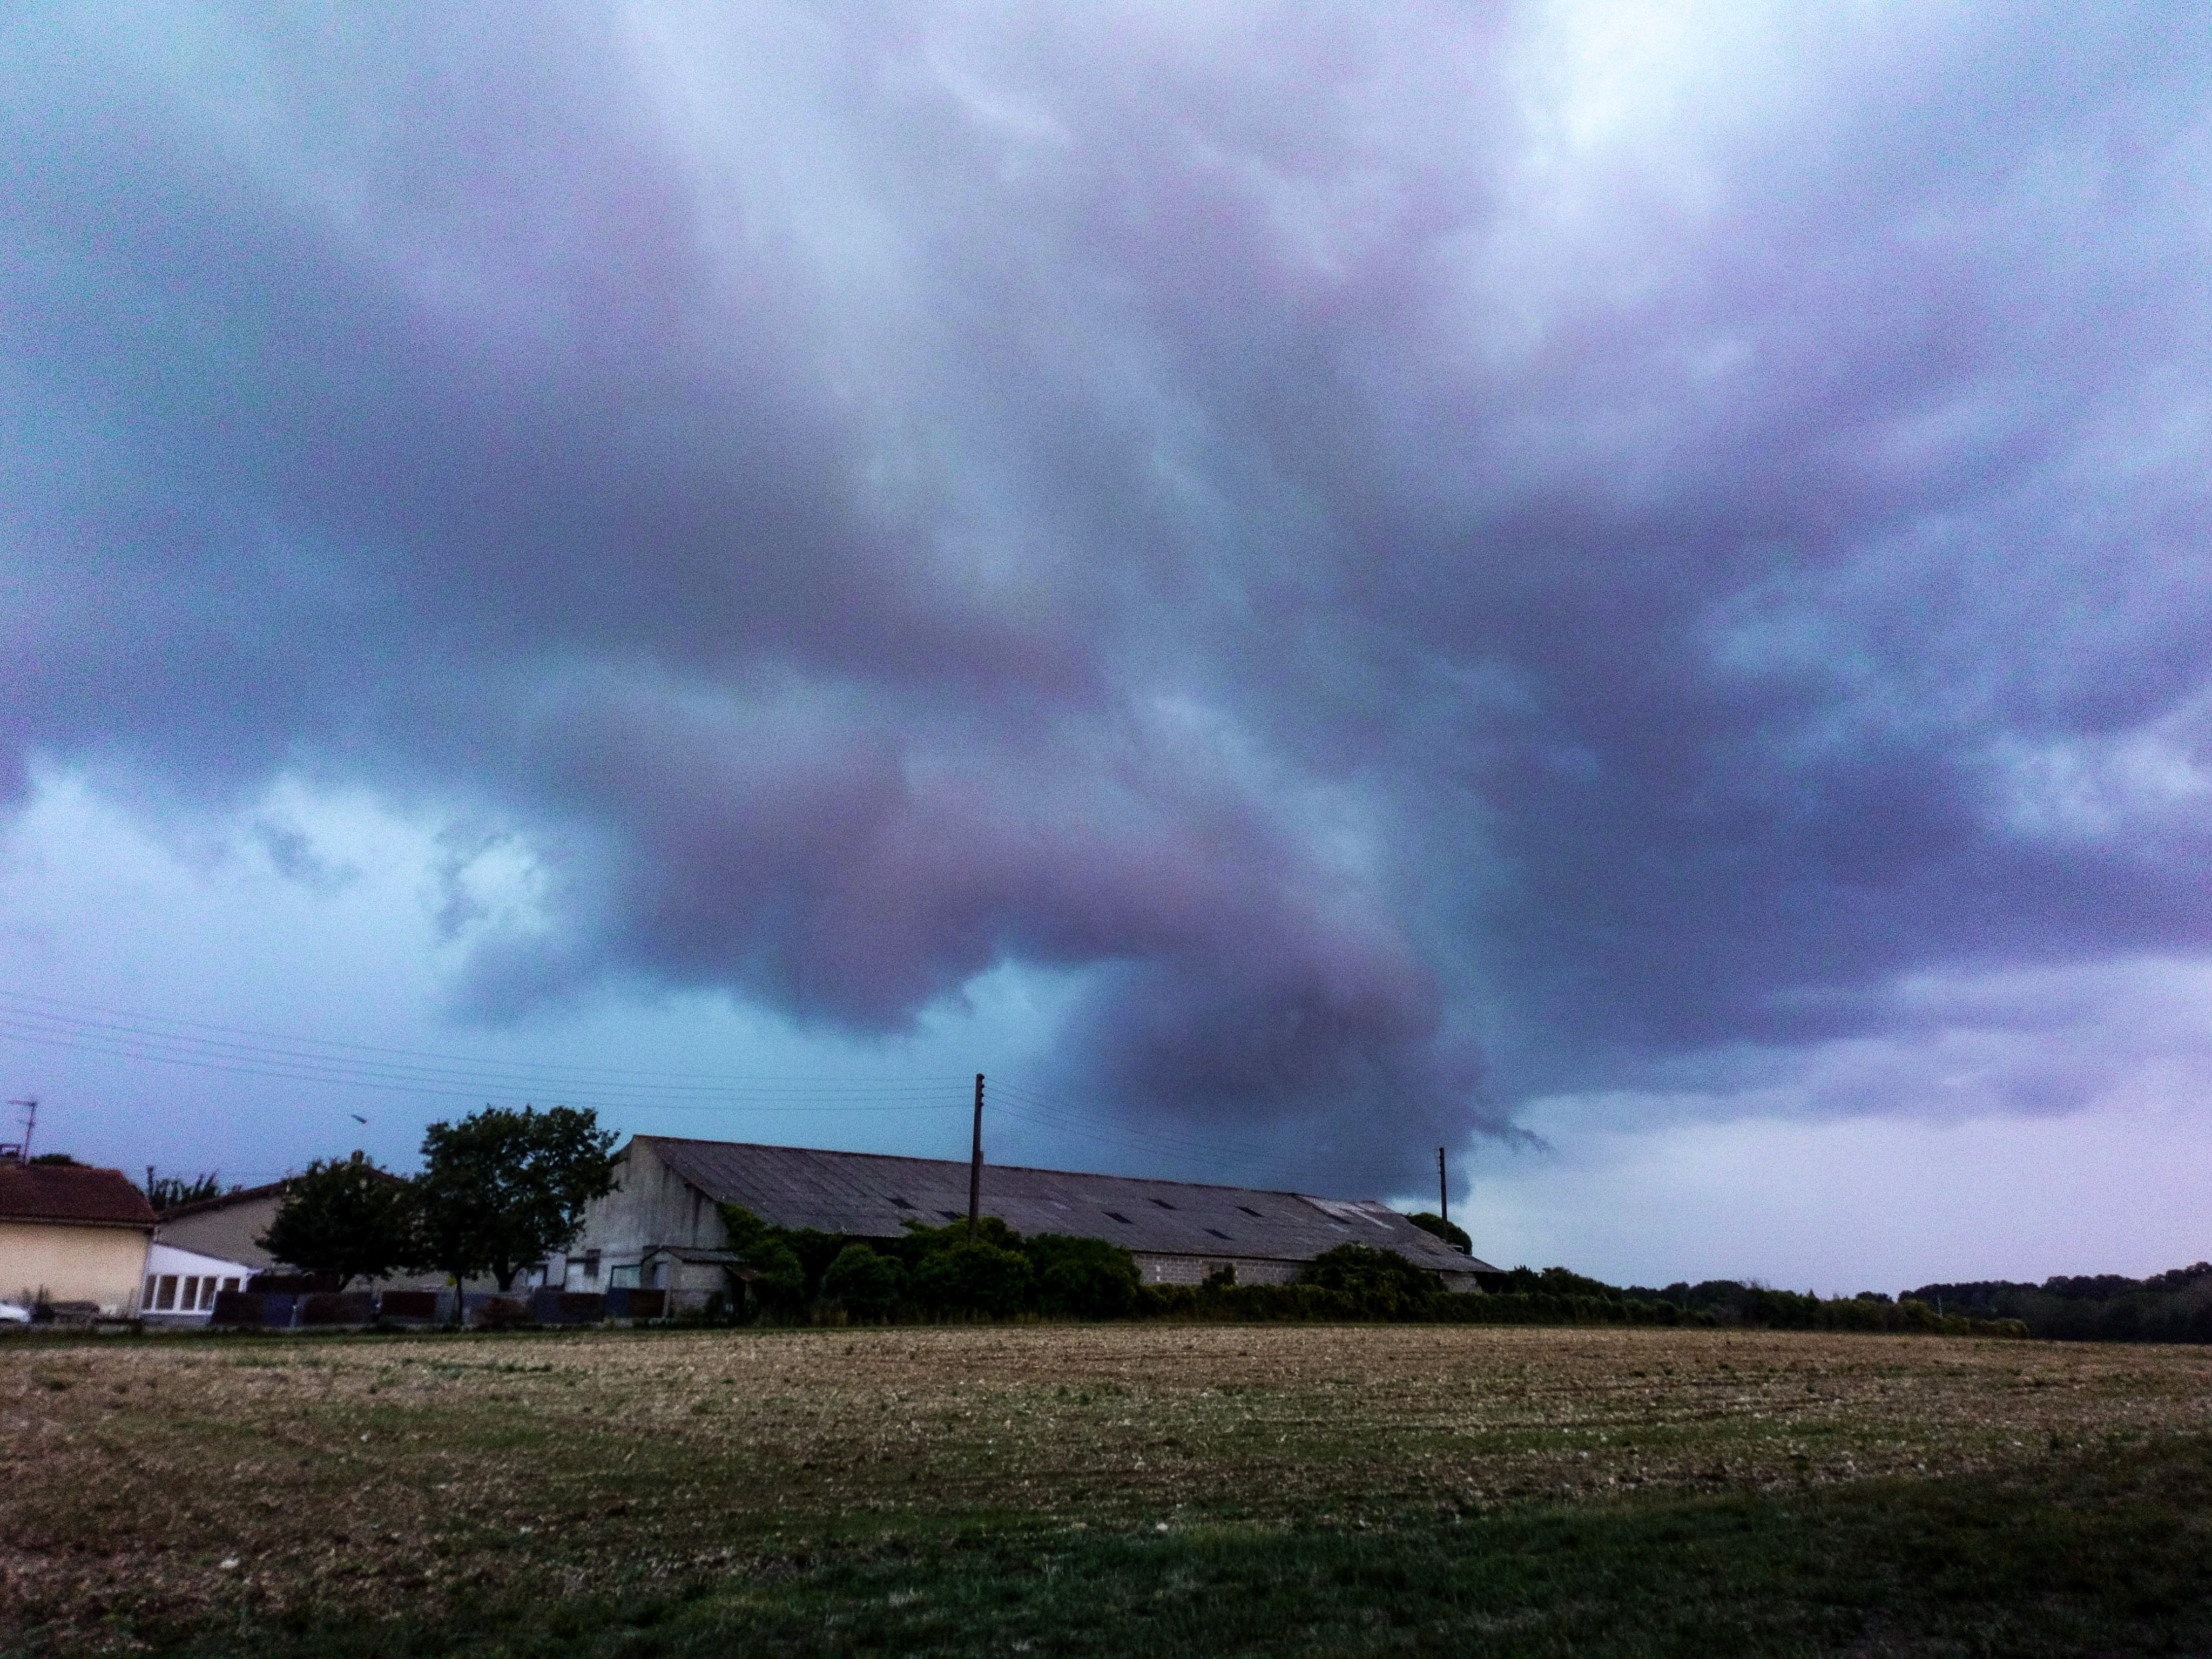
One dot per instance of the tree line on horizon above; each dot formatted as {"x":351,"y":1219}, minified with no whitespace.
{"x":501,"y":1189}
{"x":2173,"y":1306}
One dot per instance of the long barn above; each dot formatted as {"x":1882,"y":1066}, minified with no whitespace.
{"x":662,"y":1227}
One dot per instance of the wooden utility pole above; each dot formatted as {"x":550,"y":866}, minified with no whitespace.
{"x":976,"y":1161}
{"x":1444,"y":1187}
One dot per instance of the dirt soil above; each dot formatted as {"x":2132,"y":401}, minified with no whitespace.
{"x":178,"y":1475}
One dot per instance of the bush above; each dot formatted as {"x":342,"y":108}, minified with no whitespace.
{"x":973,"y":1277}
{"x":1452,"y":1234}
{"x":1378,"y":1281}
{"x":1559,"y":1281}
{"x":868,"y":1285}
{"x":1287,"y":1303}
{"x":1082,"y":1278}
{"x":779,"y":1284}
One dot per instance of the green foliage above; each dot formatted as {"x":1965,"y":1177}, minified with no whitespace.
{"x":974,"y":1277}
{"x":1556,"y":1281}
{"x":62,"y":1160}
{"x":2175,"y":1306}
{"x":921,"y":1239}
{"x":765,"y":1250}
{"x":934,"y":1271}
{"x":502,"y":1188}
{"x":1082,"y":1278}
{"x":164,"y":1192}
{"x":1429,"y":1222}
{"x":815,"y":1250}
{"x":869,"y":1285}
{"x":1725,"y":1302}
{"x":345,"y":1216}
{"x":1357,"y":1282}
{"x":1306,"y":1301}
{"x":1380,"y":1282}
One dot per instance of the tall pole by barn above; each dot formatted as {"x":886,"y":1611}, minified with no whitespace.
{"x":1444,"y":1187}
{"x":976,"y":1161}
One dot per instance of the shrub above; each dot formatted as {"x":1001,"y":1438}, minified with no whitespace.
{"x":1452,"y":1234}
{"x":780,"y":1283}
{"x":1082,"y":1278}
{"x":869,"y":1285}
{"x":1378,"y":1281}
{"x":973,"y":1277}
{"x":1560,"y":1282}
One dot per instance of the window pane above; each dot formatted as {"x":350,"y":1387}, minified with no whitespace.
{"x":166,"y":1295}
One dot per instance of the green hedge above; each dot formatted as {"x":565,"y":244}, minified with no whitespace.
{"x":938,"y":1274}
{"x":2175,"y":1306}
{"x":1289,"y":1303}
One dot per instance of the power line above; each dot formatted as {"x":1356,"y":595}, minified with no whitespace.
{"x":88,"y":1028}
{"x":134,"y":1019}
{"x":122,"y":1034}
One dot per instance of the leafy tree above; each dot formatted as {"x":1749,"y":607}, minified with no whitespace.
{"x":780,"y":1277}
{"x":1452,"y":1234}
{"x":502,"y":1188}
{"x":868,"y":1284}
{"x":166,"y":1192}
{"x":346,"y":1216}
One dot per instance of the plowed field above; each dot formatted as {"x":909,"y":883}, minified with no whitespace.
{"x":179,"y":1479}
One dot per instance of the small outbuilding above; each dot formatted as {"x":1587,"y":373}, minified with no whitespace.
{"x":72,"y":1235}
{"x":662,"y":1227}
{"x":181,"y":1286}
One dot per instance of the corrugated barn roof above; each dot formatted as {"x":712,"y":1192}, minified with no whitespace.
{"x":868,"y":1196}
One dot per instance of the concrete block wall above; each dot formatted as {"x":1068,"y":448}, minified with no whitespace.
{"x":1193,"y":1269}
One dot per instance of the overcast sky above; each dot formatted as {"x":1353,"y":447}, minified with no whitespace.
{"x":1621,"y":589}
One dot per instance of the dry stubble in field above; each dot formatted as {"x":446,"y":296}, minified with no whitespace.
{"x":167,"y":1477}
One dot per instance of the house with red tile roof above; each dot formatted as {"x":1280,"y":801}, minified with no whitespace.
{"x":70,"y":1234}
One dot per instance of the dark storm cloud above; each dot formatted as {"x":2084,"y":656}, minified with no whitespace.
{"x":1368,"y":538}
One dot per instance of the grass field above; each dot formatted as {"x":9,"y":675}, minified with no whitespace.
{"x":1106,"y":1489}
